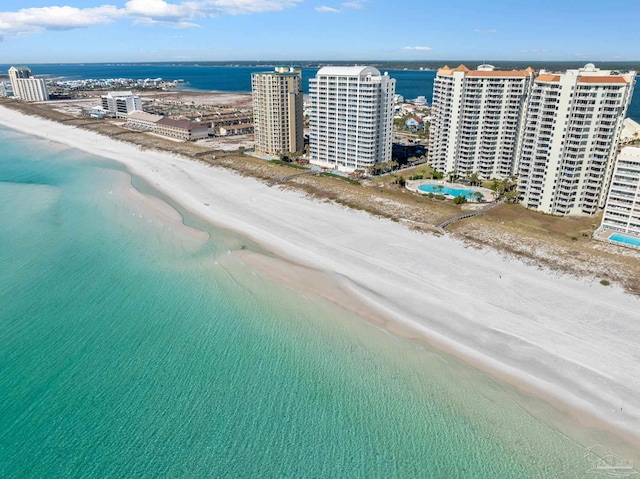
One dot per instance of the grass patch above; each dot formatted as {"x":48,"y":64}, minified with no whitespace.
{"x":343,"y":178}
{"x":605,"y":282}
{"x":571,"y":228}
{"x":290,"y":165}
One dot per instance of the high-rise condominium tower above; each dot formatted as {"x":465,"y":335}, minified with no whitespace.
{"x":622,"y":212}
{"x":476,"y":119}
{"x":570,"y":139}
{"x":352,"y":117}
{"x":277,"y":111}
{"x":25,"y":86}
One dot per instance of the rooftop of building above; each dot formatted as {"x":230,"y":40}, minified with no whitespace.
{"x":182,"y":124}
{"x":348,"y":71}
{"x":485,"y":70}
{"x":119,"y":93}
{"x":282,"y":70}
{"x":630,"y":151}
{"x":144,"y":116}
{"x":589,"y":74}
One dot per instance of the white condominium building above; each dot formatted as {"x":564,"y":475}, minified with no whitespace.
{"x":622,"y":212}
{"x":26,"y":87}
{"x":121,"y":103}
{"x":277,"y":111}
{"x":351,"y":117}
{"x":476,"y":119}
{"x":573,"y":123}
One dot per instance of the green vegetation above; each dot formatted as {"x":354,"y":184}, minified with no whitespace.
{"x":478,"y":195}
{"x":605,"y":282}
{"x":385,"y":167}
{"x":351,"y":181}
{"x":289,"y":164}
{"x":460,"y":199}
{"x":473,"y":179}
{"x":505,"y":188}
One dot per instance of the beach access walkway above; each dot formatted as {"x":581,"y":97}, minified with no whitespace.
{"x":468,"y":214}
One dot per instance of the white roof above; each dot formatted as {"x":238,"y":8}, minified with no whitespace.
{"x":349,"y":71}
{"x":141,"y":115}
{"x":630,"y":130}
{"x":120,"y":93}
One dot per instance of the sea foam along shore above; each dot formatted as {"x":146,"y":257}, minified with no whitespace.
{"x":572,"y":342}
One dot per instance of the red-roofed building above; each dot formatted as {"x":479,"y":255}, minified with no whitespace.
{"x":475,"y":119}
{"x":570,"y":138}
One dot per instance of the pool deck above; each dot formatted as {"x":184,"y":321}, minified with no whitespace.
{"x":413,"y":185}
{"x":605,"y":235}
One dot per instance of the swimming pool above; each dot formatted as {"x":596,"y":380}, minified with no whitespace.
{"x":446,"y":190}
{"x":628,"y":240}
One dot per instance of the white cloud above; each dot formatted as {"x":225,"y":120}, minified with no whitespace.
{"x":29,"y":20}
{"x":490,"y":30}
{"x":424,"y":49}
{"x":356,"y":5}
{"x":533,"y":51}
{"x":172,"y":24}
{"x":156,"y":9}
{"x":325,"y":9}
{"x":149,"y":12}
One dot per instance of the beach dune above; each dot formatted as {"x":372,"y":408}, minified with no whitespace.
{"x":571,"y":341}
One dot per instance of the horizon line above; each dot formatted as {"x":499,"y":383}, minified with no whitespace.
{"x":355,"y":61}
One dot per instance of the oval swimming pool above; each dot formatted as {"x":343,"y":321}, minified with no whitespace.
{"x":447,"y":190}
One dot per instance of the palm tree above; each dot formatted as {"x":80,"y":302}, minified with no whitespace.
{"x":496,"y":186}
{"x":473,"y":178}
{"x":512,"y":196}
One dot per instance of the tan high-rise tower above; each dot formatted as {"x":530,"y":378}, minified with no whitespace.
{"x":26,"y":87}
{"x":476,"y":121}
{"x":277,"y":111}
{"x":570,"y":138}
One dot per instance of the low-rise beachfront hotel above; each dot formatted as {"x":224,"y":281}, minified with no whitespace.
{"x":351,"y":117}
{"x":622,"y":213}
{"x":570,"y":137}
{"x":143,"y":120}
{"x":277,"y":111}
{"x":186,"y":130}
{"x":121,"y":103}
{"x":476,"y":119}
{"x":25,"y":86}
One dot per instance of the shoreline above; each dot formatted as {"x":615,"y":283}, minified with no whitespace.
{"x":501,"y":324}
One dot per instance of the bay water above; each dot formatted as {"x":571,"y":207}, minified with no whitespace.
{"x":134,"y":342}
{"x":410,"y":83}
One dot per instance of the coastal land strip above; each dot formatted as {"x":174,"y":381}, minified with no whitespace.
{"x":509,"y":294}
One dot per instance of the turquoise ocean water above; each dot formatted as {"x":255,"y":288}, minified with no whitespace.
{"x":132,"y":346}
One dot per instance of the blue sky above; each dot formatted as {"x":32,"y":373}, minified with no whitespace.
{"x":40,"y":31}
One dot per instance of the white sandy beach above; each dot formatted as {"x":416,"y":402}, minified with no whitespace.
{"x":569,"y":341}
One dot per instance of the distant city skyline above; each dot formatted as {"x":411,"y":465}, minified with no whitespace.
{"x":259,"y":30}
